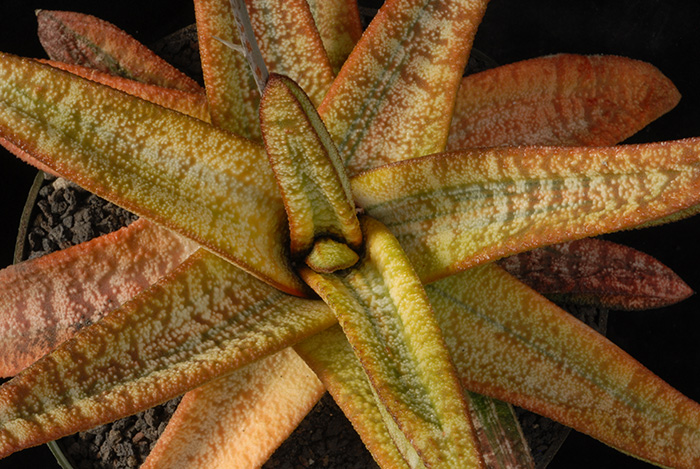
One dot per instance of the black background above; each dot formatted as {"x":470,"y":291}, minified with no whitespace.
{"x":665,"y":33}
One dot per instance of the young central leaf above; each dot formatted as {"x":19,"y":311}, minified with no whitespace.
{"x":315,"y":189}
{"x":385,"y":314}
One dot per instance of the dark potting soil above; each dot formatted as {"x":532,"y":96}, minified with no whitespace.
{"x":65,"y":215}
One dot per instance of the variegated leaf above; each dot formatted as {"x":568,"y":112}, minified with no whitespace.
{"x":331,"y":357}
{"x":175,"y":170}
{"x":339,"y":25}
{"x":455,"y":210}
{"x":566,"y":99}
{"x":382,"y":107}
{"x":238,"y":421}
{"x":594,"y":271}
{"x":291,"y":45}
{"x":308,"y":169}
{"x":192,"y":104}
{"x":46,"y":300}
{"x":384,"y":312}
{"x":201,"y":322}
{"x":231,"y":90}
{"x":499,"y":330}
{"x":82,"y":39}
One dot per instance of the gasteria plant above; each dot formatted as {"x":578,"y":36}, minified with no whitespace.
{"x":381,"y":258}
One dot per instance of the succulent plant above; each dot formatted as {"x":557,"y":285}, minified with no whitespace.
{"x":218,"y":190}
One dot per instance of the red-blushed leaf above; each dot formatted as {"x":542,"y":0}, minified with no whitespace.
{"x":499,"y":332}
{"x":238,"y":421}
{"x":180,"y":172}
{"x":192,"y":104}
{"x":307,"y":167}
{"x":85,"y":40}
{"x":340,"y":27}
{"x":455,"y":210}
{"x":331,"y":357}
{"x":231,"y":90}
{"x":568,"y":100}
{"x":382,"y":308}
{"x":204,"y":320}
{"x":44,"y":301}
{"x":291,"y":45}
{"x":593,"y":271}
{"x":393,"y":98}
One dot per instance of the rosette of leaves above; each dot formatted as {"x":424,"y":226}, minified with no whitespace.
{"x":249,"y":217}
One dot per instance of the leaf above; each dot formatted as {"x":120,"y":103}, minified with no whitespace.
{"x":201,"y":322}
{"x":499,"y":331}
{"x":566,"y":99}
{"x":382,"y":107}
{"x":387,"y":319}
{"x":180,"y":172}
{"x":331,"y":357}
{"x":455,"y":210}
{"x":339,"y":25}
{"x":307,"y":167}
{"x":501,"y":440}
{"x":81,"y":39}
{"x":192,"y":104}
{"x":593,"y":271}
{"x":44,"y":301}
{"x":290,"y":44}
{"x":239,"y":420}
{"x":231,"y":90}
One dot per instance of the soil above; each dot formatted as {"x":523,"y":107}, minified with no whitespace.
{"x":67,"y":215}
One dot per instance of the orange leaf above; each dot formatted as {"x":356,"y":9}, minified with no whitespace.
{"x":85,"y":40}
{"x":290,"y":44}
{"x":339,"y":25}
{"x":192,"y":104}
{"x":308,"y":169}
{"x":46,"y":300}
{"x":231,"y":90}
{"x":204,"y":320}
{"x":238,"y":421}
{"x":385,"y":314}
{"x":178,"y":171}
{"x":393,"y":98}
{"x":566,"y":100}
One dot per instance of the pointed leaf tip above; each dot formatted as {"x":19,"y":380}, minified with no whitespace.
{"x":594,"y":271}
